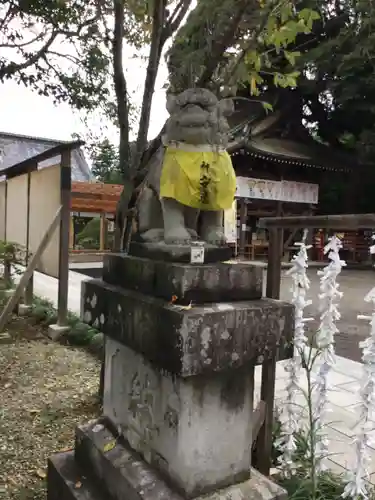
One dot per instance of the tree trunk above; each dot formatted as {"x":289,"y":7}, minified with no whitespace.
{"x":162,"y":29}
{"x":157,"y":42}
{"x":122,"y":117}
{"x":121,"y":89}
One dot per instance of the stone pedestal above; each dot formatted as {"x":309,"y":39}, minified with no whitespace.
{"x":182,"y":342}
{"x":186,"y":282}
{"x":178,"y":253}
{"x":197,"y":431}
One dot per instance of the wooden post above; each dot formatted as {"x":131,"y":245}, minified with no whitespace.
{"x":243,"y":211}
{"x":7,"y":273}
{"x":102,"y":232}
{"x":71,"y":232}
{"x":6,"y":210}
{"x":65,"y":186}
{"x":279,"y":212}
{"x":29,"y":291}
{"x":106,"y":234}
{"x":263,"y":450}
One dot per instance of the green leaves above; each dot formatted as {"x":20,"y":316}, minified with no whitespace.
{"x":255,"y":80}
{"x":252,"y":58}
{"x":282,"y":26}
{"x":286,"y":80}
{"x":307,"y":18}
{"x":105,"y":162}
{"x":267,"y":106}
{"x":291,"y":56}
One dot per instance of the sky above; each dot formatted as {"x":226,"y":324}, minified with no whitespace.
{"x":25,"y":112}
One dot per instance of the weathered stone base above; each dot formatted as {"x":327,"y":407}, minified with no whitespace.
{"x":200,"y":283}
{"x":197,"y":431}
{"x":114,"y":472}
{"x":179,"y":253}
{"x":191,"y":340}
{"x":66,"y":481}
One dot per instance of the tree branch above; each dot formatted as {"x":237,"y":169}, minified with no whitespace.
{"x":157,"y":42}
{"x":8,"y":15}
{"x":23,"y":44}
{"x":12,"y":68}
{"x":121,"y":88}
{"x":220,"y":45}
{"x":240,"y":58}
{"x":80,"y":27}
{"x":68,"y":57}
{"x":176,"y":18}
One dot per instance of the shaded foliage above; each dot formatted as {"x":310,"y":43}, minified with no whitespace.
{"x":336,"y":87}
{"x":224,"y":42}
{"x":56,"y":48}
{"x":337,"y":92}
{"x":105,"y":163}
{"x":89,"y":237}
{"x":63,"y":49}
{"x":341,"y":81}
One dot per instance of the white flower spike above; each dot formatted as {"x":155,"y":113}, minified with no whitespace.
{"x":329,"y":298}
{"x":289,"y":416}
{"x":359,"y":475}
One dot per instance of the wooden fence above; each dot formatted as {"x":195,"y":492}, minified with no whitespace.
{"x":29,"y":196}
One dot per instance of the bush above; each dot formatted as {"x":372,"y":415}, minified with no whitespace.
{"x":11,"y":255}
{"x":43,"y":311}
{"x":89,"y":237}
{"x":80,"y":334}
{"x":330,"y":486}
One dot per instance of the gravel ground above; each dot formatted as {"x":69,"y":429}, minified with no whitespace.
{"x":46,"y":390}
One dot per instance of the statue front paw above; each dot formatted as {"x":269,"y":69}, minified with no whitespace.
{"x":215,"y":236}
{"x":177,"y":236}
{"x":152,"y":235}
{"x":193,"y":233}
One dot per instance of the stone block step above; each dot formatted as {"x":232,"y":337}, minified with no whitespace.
{"x":66,"y":482}
{"x":184,"y":283}
{"x":106,"y":460}
{"x":190,"y":340}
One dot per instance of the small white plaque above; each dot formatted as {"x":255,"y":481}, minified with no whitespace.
{"x":197,"y":255}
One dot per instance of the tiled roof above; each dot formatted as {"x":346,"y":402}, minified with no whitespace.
{"x":277,"y":137}
{"x":313,"y":154}
{"x":95,"y":197}
{"x":16,"y":148}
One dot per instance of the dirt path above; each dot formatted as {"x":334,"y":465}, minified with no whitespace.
{"x":46,"y":390}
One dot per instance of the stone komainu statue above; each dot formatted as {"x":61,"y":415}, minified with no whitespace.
{"x":190,"y":174}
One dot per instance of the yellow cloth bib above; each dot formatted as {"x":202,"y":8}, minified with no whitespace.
{"x":203,"y":180}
